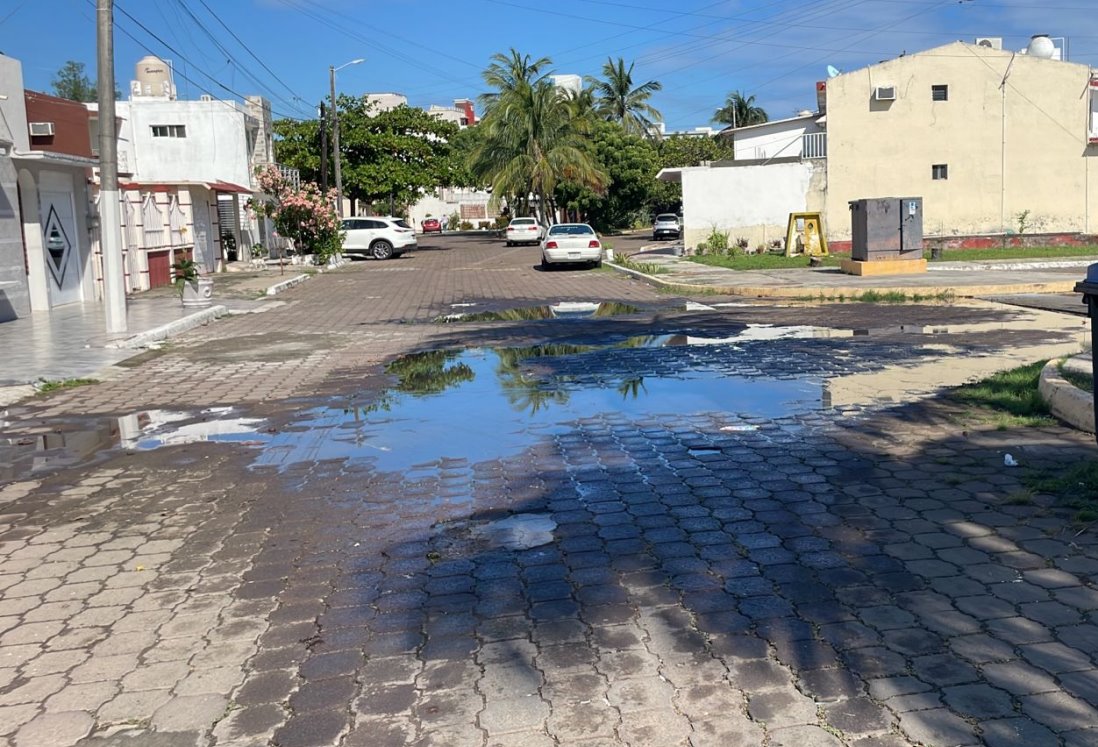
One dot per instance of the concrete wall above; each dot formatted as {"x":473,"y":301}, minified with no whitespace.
{"x":14,"y":292}
{"x":1013,"y":149}
{"x":215,"y":148}
{"x":749,"y":201}
{"x":774,"y":139}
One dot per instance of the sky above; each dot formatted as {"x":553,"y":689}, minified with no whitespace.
{"x":434,"y":51}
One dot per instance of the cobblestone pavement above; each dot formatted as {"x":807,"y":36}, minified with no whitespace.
{"x":826,"y":577}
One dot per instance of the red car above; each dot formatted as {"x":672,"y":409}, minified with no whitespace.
{"x":431,"y":225}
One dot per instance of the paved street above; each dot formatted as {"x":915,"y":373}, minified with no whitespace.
{"x":725,"y":522}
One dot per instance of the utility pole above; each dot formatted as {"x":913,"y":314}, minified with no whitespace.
{"x":335,"y":133}
{"x":323,"y":149}
{"x":110,"y":224}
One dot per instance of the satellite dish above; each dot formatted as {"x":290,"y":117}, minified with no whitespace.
{"x":832,"y":71}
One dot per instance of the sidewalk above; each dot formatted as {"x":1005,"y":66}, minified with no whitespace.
{"x":72,"y":342}
{"x":959,"y":279}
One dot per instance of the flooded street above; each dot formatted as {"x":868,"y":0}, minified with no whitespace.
{"x":441,"y":508}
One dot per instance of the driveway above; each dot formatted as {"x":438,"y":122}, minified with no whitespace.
{"x":582,"y":513}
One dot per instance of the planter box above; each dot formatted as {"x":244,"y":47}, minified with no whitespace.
{"x":198,"y":293}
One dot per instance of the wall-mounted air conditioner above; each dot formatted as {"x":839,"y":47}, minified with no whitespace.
{"x":41,"y":129}
{"x":884,"y":93}
{"x":990,"y":42}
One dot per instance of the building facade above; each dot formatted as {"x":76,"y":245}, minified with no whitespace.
{"x":994,"y":142}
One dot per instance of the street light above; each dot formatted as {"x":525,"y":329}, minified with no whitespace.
{"x":335,"y":132}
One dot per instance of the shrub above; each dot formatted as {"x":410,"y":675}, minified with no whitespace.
{"x":717,"y":241}
{"x":465,"y":226}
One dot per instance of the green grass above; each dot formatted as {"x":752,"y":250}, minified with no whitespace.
{"x":761,"y":261}
{"x":1007,"y":399}
{"x":1076,"y":379}
{"x":1016,"y":252}
{"x":1075,"y":487}
{"x":647,"y":268}
{"x":877,"y":297}
{"x":45,"y":386}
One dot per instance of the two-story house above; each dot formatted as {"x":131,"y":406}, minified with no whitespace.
{"x":186,"y":170}
{"x":995,"y":142}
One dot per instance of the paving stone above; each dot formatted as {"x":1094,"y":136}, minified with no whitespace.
{"x":803,"y":736}
{"x":937,"y":727}
{"x":640,"y":694}
{"x":189,"y":713}
{"x":505,"y":715}
{"x":1018,"y":678}
{"x":978,"y":701}
{"x":778,"y":708}
{"x":574,"y":723}
{"x":65,"y":727}
{"x":655,"y":727}
{"x":312,"y":729}
{"x":1081,"y":738}
{"x":856,"y":717}
{"x":1010,"y":732}
{"x":1082,"y":684}
{"x":1059,"y":711}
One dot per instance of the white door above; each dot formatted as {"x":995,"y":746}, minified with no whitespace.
{"x":61,"y":245}
{"x":203,"y":235}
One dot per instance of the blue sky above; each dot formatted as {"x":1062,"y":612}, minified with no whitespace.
{"x":434,"y":51}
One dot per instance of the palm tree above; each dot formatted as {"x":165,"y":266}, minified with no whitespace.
{"x":511,"y":72}
{"x":740,"y":111}
{"x":616,"y":100}
{"x":532,"y":138}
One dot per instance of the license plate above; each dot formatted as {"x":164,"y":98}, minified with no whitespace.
{"x":573,"y":254}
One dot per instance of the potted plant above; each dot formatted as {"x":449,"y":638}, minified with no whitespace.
{"x":194,"y":289}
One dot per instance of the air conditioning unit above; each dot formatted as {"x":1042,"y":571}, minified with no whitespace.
{"x":41,"y":129}
{"x":884,"y":93}
{"x":205,"y":97}
{"x":989,"y":42}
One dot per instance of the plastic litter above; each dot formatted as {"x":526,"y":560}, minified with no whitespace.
{"x":1009,"y":461}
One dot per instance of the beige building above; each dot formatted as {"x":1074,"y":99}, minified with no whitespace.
{"x":993,"y":141}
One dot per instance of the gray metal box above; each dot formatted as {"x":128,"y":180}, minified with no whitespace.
{"x":886,"y":228}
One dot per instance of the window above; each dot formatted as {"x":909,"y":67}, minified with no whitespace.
{"x":152,"y":222}
{"x":169,"y":130}
{"x":939,"y":93}
{"x":939,"y":171}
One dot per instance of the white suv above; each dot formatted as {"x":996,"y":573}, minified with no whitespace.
{"x":666,"y":226}
{"x":523,"y":231}
{"x":378,"y":237}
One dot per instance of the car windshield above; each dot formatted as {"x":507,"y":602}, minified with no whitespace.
{"x":666,"y":218}
{"x":400,"y":223}
{"x":522,"y":222}
{"x":571,"y":230}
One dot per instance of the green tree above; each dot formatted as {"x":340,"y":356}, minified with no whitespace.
{"x":394,"y":156}
{"x":297,"y":144}
{"x":631,"y":162}
{"x":618,"y":100}
{"x":72,"y":83}
{"x":740,"y":111}
{"x":678,"y":151}
{"x":531,"y":138}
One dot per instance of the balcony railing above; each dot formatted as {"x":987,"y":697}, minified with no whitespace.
{"x":814,"y":145}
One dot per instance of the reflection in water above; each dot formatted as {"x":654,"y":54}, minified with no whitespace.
{"x":562,"y":310}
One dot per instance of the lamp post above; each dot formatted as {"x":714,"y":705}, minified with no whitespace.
{"x":335,"y":132}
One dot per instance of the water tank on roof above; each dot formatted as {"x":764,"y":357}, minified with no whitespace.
{"x":153,"y":77}
{"x":1040,"y":45}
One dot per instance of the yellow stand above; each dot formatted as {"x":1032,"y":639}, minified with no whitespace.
{"x":804,"y":234}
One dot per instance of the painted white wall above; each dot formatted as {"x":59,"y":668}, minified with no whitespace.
{"x":753,"y":202}
{"x":781,"y":139}
{"x":13,"y":109}
{"x":216,"y":147}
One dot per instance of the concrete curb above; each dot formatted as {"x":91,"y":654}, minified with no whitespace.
{"x":9,"y":395}
{"x":1068,"y":402}
{"x":824,"y":293}
{"x":164,"y":331}
{"x":282,"y":285}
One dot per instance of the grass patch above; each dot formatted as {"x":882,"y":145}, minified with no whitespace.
{"x":878,"y":297}
{"x":1007,"y":399}
{"x":45,"y":386}
{"x":647,"y":268}
{"x":1075,"y":487}
{"x":761,"y":261}
{"x":1015,"y":252}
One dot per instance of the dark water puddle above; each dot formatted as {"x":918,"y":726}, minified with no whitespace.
{"x":562,"y":310}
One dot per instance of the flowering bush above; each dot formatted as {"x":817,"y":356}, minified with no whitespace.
{"x":305,"y":215}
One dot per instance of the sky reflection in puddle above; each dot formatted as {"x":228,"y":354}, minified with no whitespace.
{"x":481,"y":404}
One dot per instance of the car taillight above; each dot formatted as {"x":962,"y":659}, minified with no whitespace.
{"x":593,"y":244}
{"x":533,"y":228}
{"x":550,"y":245}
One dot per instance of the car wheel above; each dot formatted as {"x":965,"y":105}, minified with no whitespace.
{"x":597,"y":263}
{"x":544,"y":264}
{"x":381,"y":250}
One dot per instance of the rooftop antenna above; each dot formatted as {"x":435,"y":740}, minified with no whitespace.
{"x":832,"y":71}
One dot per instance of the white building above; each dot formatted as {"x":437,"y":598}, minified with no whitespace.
{"x":780,"y":138}
{"x":568,"y":82}
{"x":383,"y":102}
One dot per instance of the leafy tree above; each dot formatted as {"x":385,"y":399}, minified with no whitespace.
{"x":631,"y":163}
{"x":740,"y":111}
{"x":71,"y":83}
{"x":532,"y":140}
{"x":395,"y":155}
{"x":684,"y":150}
{"x":297,"y":144}
{"x":617,"y":100}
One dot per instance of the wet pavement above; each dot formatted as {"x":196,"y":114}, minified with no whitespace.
{"x":715,"y":524}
